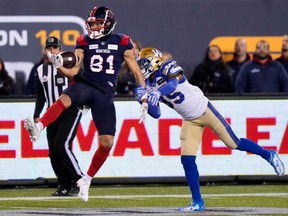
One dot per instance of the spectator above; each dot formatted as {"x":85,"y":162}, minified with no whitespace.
{"x":283,"y":59}
{"x":7,"y":84}
{"x":126,"y":81}
{"x":167,"y":56}
{"x":239,"y":58}
{"x":31,"y":86}
{"x":212,"y":75}
{"x":262,"y":74}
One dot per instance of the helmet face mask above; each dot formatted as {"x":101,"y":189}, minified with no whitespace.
{"x":149,"y":60}
{"x":145,"y":67}
{"x":103,"y":16}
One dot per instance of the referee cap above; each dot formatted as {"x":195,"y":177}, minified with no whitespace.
{"x":52,"y":41}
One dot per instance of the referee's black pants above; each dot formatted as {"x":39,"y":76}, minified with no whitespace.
{"x":60,"y":135}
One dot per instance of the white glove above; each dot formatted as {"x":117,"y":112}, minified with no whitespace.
{"x":143,"y":110}
{"x":56,"y":60}
{"x":153,"y":97}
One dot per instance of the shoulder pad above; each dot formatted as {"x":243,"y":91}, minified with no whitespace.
{"x":175,"y":69}
{"x":171,"y":67}
{"x":125,"y":40}
{"x":81,"y":40}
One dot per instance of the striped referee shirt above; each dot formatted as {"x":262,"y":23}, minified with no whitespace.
{"x":49,"y":87}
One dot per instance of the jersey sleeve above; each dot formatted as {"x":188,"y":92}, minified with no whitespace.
{"x":170,"y":68}
{"x":125,"y":41}
{"x":154,"y":110}
{"x":81,"y":41}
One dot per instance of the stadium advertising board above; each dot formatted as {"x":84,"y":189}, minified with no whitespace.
{"x":23,"y":37}
{"x":150,"y":149}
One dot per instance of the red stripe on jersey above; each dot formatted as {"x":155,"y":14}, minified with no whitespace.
{"x":125,"y":40}
{"x":81,"y":40}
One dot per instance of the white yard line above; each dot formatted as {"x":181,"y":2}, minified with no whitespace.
{"x":148,"y":196}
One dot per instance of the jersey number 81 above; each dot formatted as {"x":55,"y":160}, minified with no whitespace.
{"x":96,"y":64}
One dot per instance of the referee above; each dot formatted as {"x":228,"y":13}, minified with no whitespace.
{"x":60,"y":134}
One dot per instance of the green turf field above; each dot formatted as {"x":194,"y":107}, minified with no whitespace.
{"x":149,"y":196}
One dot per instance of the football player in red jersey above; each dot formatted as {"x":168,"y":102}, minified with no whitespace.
{"x":102,"y":53}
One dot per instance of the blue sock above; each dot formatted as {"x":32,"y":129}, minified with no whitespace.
{"x":192,"y":176}
{"x":252,"y":147}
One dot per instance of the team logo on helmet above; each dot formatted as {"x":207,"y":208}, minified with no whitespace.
{"x":149,"y":60}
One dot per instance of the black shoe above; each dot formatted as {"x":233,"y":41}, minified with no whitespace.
{"x":61,"y":192}
{"x":74,"y":191}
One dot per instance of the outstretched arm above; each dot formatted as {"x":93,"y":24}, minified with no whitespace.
{"x":154,"y":110}
{"x":141,"y":92}
{"x":134,"y":67}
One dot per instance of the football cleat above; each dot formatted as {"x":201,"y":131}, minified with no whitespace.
{"x":193,"y":207}
{"x":83,"y":185}
{"x":74,"y":191}
{"x":32,"y":129}
{"x":276,"y":162}
{"x":61,"y":192}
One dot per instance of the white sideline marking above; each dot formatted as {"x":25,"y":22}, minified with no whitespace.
{"x":148,"y":196}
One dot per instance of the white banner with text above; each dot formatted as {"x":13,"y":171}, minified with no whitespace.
{"x":151,"y":149}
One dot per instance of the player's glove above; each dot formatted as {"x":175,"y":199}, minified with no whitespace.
{"x":154,"y":97}
{"x":56,"y":60}
{"x":143,"y":110}
{"x":141,"y":94}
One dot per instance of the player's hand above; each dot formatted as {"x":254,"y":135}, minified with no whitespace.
{"x":56,"y":60}
{"x":143,"y":110}
{"x":154,"y":97}
{"x":141,"y":94}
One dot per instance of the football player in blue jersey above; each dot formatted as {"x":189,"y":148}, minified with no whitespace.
{"x":101,"y":52}
{"x":166,"y":82}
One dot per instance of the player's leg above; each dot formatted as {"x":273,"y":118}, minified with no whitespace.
{"x":49,"y":116}
{"x":104,"y":117}
{"x":191,"y":135}
{"x":68,"y":124}
{"x":215,"y":121}
{"x":101,"y":154}
{"x":55,"y":110}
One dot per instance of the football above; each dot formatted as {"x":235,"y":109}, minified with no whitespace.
{"x":69,"y":59}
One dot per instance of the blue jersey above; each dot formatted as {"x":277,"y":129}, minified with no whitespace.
{"x":186,"y":99}
{"x":103,"y":57}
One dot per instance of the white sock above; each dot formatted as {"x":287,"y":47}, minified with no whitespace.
{"x":39,"y":126}
{"x":87,"y":177}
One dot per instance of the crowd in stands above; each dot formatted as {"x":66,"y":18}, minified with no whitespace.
{"x":7,"y":84}
{"x":245,"y":73}
{"x":257,"y":73}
